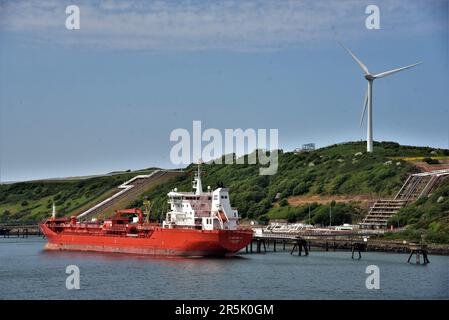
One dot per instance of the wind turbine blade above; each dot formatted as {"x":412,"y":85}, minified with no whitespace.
{"x":360,"y":63}
{"x":388,"y":73}
{"x":364,"y":108}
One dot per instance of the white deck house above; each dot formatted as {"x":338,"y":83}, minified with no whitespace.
{"x":201,"y":210}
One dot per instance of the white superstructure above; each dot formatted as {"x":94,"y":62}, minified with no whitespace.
{"x":201,"y":210}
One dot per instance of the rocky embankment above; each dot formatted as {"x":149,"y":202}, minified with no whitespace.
{"x":381,"y":246}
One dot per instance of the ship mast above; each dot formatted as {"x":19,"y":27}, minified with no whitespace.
{"x":197,"y":181}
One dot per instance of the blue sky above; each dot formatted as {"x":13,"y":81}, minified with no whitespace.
{"x":107,"y":96}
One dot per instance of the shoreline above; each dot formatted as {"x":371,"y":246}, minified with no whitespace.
{"x":386,"y":246}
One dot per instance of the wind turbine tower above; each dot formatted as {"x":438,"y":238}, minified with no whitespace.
{"x":369,"y":95}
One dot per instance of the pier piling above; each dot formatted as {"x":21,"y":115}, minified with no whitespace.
{"x":418,"y":250}
{"x":300,"y":244}
{"x":359,"y":247}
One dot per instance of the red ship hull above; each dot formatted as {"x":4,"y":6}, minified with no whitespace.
{"x":151,"y":241}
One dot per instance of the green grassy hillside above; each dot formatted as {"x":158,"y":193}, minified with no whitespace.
{"x":334,"y":172}
{"x":32,"y":201}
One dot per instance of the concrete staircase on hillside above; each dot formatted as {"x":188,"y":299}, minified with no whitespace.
{"x":381,"y":211}
{"x":129,"y":188}
{"x":416,"y":186}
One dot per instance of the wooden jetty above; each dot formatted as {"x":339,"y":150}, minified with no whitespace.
{"x":304,"y":243}
{"x":264,"y":242}
{"x":19,"y":230}
{"x":356,"y":242}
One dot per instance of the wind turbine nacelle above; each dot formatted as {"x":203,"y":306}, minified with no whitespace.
{"x":369,"y":77}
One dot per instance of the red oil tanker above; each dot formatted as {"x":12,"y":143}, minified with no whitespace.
{"x":198,"y":224}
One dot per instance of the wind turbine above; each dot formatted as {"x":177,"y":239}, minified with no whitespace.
{"x":369,"y":95}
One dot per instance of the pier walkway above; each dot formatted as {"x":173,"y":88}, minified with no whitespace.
{"x":356,"y":241}
{"x":20,"y":230}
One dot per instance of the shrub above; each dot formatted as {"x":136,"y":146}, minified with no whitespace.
{"x":300,"y":189}
{"x":430,"y":160}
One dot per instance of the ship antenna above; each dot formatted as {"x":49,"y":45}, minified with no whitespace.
{"x":53,"y":213}
{"x":197,"y":182}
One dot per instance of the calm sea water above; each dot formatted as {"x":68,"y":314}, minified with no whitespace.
{"x":27,"y":272}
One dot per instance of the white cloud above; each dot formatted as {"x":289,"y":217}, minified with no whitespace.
{"x":197,"y":25}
